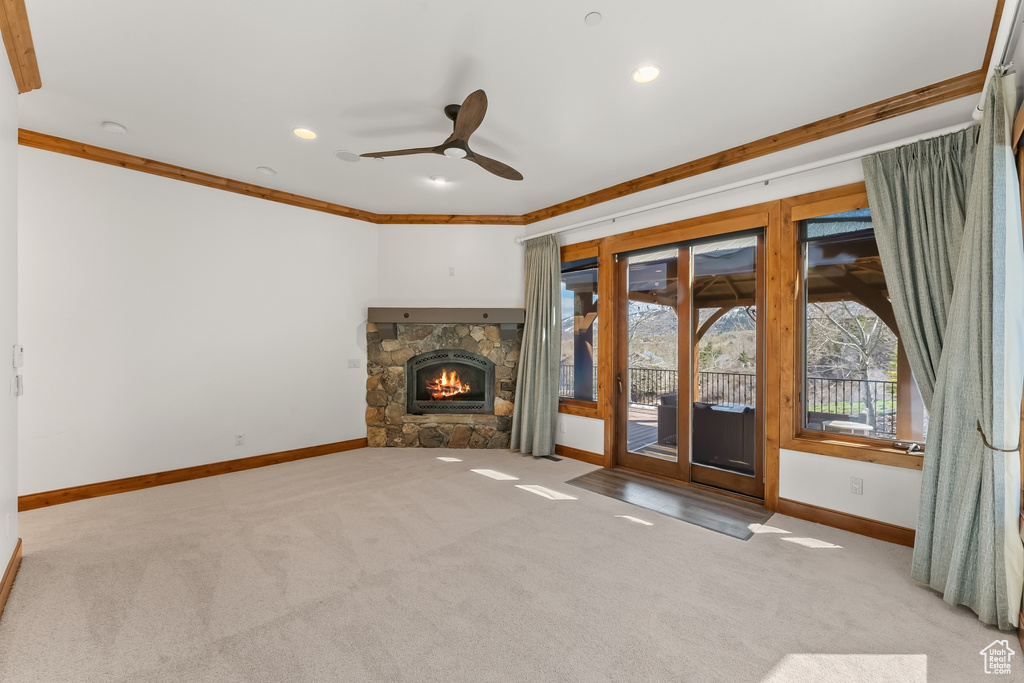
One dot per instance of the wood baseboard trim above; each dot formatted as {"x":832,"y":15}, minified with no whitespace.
{"x":577,"y":454}
{"x":33,"y":501}
{"x":883,"y":531}
{"x":9,"y":575}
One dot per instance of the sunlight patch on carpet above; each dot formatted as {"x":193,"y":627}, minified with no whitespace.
{"x":449,"y":459}
{"x":810,"y":542}
{"x":813,"y":668}
{"x":495,"y":474}
{"x":637,"y":520}
{"x":550,"y":494}
{"x":765,"y":529}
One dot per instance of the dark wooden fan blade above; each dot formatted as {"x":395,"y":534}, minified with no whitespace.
{"x":470,"y":115}
{"x":496,"y":167}
{"x":400,"y":152}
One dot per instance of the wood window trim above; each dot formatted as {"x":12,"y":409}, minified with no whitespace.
{"x":575,"y":406}
{"x":792,"y":435}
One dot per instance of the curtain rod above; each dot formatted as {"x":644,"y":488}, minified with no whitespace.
{"x":1005,"y":61}
{"x":765,"y":178}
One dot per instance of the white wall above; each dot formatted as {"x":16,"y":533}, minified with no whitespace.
{"x":161,"y":318}
{"x":414,"y":263}
{"x":890,"y":494}
{"x":8,"y":314}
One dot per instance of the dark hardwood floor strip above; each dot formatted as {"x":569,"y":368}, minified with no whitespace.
{"x":9,"y":575}
{"x":718,"y":513}
{"x":883,"y":531}
{"x":37,"y":500}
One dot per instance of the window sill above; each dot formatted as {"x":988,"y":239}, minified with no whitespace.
{"x":852,"y":448}
{"x":572,"y":406}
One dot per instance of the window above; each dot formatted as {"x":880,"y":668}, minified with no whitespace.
{"x":577,"y":379}
{"x":852,"y":368}
{"x":847,"y":389}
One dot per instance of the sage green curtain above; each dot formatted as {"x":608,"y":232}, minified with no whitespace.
{"x":956,"y":291}
{"x":918,"y":199}
{"x":536,"y":407}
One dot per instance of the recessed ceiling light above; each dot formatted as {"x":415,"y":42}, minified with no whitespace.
{"x":115,"y":128}
{"x":646,"y":74}
{"x":266,"y":170}
{"x":439,"y":179}
{"x":345,"y":155}
{"x":455,"y":153}
{"x":304,"y":133}
{"x":592,"y":19}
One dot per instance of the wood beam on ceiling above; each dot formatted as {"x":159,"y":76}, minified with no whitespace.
{"x":17,"y":38}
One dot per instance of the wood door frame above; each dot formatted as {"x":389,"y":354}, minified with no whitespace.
{"x":757,"y":490}
{"x":764,"y":216}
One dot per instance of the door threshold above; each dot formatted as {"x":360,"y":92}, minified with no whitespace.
{"x":702,"y":487}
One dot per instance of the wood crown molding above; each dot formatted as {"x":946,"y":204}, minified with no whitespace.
{"x":17,"y":38}
{"x":9,"y":575}
{"x":922,"y":98}
{"x":33,"y":501}
{"x":883,"y":531}
{"x":52,"y":143}
{"x":928,"y":96}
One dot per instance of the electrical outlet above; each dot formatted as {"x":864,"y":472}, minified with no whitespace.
{"x":857,"y":486}
{"x":451,"y":271}
{"x":239,"y":439}
{"x":561,"y":427}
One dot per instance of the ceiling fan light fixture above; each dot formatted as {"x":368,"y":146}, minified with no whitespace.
{"x":455,"y":153}
{"x":646,"y":73}
{"x":304,"y":133}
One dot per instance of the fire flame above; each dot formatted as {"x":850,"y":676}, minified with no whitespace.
{"x":446,"y":386}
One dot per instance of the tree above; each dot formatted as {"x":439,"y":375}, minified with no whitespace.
{"x":846,"y":340}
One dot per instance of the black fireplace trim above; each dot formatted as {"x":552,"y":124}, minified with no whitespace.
{"x":415,"y":407}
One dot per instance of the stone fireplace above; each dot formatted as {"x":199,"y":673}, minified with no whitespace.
{"x":441,"y":384}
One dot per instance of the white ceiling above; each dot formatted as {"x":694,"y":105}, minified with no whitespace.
{"x":218,"y":85}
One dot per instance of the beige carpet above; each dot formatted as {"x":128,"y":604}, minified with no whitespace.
{"x":391,"y":565}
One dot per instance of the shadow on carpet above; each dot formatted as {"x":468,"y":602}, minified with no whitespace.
{"x":725,"y":515}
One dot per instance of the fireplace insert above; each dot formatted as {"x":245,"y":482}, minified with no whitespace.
{"x":449,"y":381}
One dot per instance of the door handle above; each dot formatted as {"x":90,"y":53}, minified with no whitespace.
{"x":620,"y":383}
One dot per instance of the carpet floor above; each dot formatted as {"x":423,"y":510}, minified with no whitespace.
{"x":392,"y":565}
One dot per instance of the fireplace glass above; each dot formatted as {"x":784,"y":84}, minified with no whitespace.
{"x":449,"y":381}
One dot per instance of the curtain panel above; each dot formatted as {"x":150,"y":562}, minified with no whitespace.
{"x":536,"y":408}
{"x":947,"y":219}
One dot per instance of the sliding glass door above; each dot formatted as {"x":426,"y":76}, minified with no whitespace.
{"x":690,"y":362}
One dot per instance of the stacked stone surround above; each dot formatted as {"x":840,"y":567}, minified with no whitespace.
{"x":387,"y":423}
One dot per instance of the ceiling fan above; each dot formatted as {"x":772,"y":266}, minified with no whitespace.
{"x":467,"y":118}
